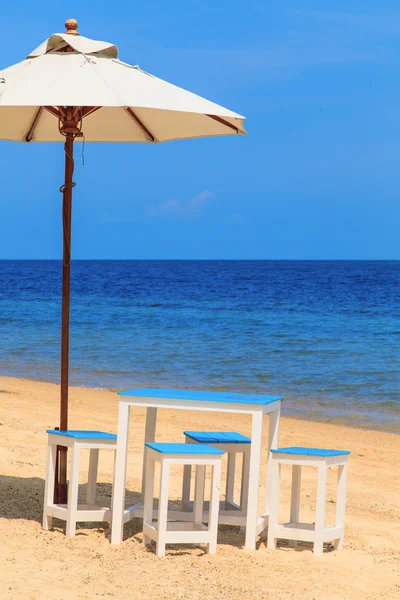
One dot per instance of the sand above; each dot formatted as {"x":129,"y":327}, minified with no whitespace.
{"x":35,"y":564}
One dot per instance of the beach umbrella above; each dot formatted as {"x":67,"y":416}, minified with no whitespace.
{"x":72,"y":88}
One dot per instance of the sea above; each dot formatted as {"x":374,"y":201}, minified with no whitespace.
{"x":325,"y":335}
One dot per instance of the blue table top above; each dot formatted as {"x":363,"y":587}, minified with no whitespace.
{"x":200,"y":395}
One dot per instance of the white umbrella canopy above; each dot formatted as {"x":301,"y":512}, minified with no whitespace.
{"x":118,"y":102}
{"x":73,"y":88}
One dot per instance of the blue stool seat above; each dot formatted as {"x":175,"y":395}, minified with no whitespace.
{"x":170,"y":448}
{"x":217,"y":437}
{"x":309,"y":451}
{"x":82,"y":434}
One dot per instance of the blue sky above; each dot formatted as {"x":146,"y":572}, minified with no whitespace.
{"x":317,"y":176}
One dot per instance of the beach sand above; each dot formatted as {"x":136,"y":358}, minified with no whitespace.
{"x":40,"y":565}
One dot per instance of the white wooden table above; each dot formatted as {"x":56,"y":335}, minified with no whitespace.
{"x":153,"y":398}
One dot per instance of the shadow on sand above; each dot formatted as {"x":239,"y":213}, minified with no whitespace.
{"x":22,"y":498}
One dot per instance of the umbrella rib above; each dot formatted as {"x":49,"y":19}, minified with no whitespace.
{"x":53,"y":111}
{"x":223,"y":122}
{"x":88,"y":110}
{"x":31,"y":132}
{"x":139,"y":123}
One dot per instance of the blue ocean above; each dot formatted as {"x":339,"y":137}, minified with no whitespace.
{"x":323,"y":334}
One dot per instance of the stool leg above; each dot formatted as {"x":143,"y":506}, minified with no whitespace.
{"x":148,"y":496}
{"x":341,"y":504}
{"x":163,"y":509}
{"x":295,"y":498}
{"x":199,"y":494}
{"x":244,"y":488}
{"x":214,"y":507}
{"x":187,"y":476}
{"x":92,"y":476}
{"x":49,"y":485}
{"x":230,"y":478}
{"x":274,"y":489}
{"x":73,"y":491}
{"x":320,"y":510}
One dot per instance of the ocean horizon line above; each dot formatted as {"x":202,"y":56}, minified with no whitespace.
{"x":281,"y":260}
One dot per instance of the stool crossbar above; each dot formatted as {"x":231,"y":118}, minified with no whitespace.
{"x":318,"y":533}
{"x":166,"y":531}
{"x":76,"y":440}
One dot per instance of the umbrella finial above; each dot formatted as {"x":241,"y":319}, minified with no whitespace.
{"x":71,"y":26}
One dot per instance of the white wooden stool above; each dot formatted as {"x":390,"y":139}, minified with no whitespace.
{"x":308,"y":532}
{"x":169,"y":532}
{"x":232,"y":443}
{"x":71,"y":512}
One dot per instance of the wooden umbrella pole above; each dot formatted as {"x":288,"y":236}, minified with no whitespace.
{"x":69,"y":128}
{"x":66,"y":278}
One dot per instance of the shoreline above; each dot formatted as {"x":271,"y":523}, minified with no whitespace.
{"x":341,"y":422}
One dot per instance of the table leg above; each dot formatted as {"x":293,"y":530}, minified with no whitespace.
{"x":118,"y":504}
{"x":149,"y":436}
{"x":274,"y":419}
{"x":92,"y":476}
{"x":254,"y":476}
